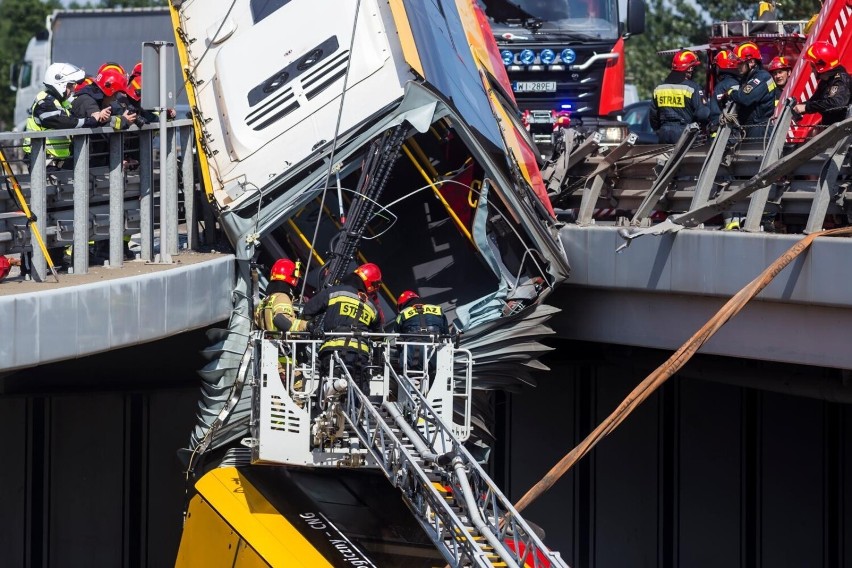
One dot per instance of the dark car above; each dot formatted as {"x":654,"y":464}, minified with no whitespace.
{"x":636,"y":116}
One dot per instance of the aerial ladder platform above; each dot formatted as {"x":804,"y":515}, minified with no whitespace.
{"x":407,"y":416}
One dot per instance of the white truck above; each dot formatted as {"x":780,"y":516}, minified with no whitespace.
{"x":88,"y":38}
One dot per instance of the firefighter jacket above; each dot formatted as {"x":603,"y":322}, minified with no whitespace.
{"x":90,"y":99}
{"x":421,"y":318}
{"x":678,"y":101}
{"x":724,"y":82}
{"x":275,"y":313}
{"x":832,"y":95}
{"x":51,"y":112}
{"x":755,"y":98}
{"x":342,"y":308}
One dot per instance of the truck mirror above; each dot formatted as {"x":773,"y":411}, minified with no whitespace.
{"x":13,"y":76}
{"x":635,"y":17}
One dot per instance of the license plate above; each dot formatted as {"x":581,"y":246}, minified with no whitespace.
{"x":535,"y":86}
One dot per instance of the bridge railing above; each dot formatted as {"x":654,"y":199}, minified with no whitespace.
{"x":750,"y":184}
{"x":106,"y":196}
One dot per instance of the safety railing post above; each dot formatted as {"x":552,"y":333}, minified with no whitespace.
{"x":146,"y":195}
{"x":38,"y":204}
{"x":172,"y":192}
{"x":188,"y":179}
{"x":116,"y":200}
{"x":81,"y":204}
{"x":774,"y":151}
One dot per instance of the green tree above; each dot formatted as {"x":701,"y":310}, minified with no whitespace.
{"x":19,"y":21}
{"x":669,"y":24}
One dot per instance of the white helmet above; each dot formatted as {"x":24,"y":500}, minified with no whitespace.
{"x":58,"y":75}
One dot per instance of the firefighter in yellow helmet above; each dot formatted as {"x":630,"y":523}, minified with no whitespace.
{"x":275,"y":312}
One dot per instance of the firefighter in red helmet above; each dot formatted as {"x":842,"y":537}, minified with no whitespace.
{"x":727,"y":75}
{"x":418,"y":318}
{"x":832,"y":95}
{"x":679,"y":100}
{"x":275,"y":312}
{"x":780,"y":68}
{"x":755,"y":95}
{"x":347,"y":308}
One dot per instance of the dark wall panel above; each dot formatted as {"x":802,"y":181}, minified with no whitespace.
{"x":709,"y":472}
{"x":13,"y":480}
{"x":87,"y":476}
{"x":170,"y":420}
{"x":625,"y":488}
{"x":533,"y":453}
{"x":792,"y":481}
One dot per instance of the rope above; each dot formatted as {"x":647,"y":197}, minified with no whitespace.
{"x":674,"y":363}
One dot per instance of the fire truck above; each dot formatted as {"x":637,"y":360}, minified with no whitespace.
{"x":565,"y":58}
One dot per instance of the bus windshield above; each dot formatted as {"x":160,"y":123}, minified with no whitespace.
{"x":591,"y":19}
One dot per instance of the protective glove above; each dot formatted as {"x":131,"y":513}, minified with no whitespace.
{"x":732,"y":89}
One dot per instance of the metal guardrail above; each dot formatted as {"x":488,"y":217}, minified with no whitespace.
{"x":102,"y":202}
{"x":804,"y":187}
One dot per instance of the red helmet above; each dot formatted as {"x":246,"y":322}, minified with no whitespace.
{"x":111,"y":80}
{"x":137,"y":70}
{"x":113,"y":66}
{"x":823,"y":55}
{"x":134,"y":87}
{"x":371,"y":275}
{"x":405,"y":297}
{"x":285,"y":270}
{"x":685,"y":60}
{"x":747,"y":50}
{"x":726,"y":59}
{"x":83,"y":84}
{"x":779,"y":62}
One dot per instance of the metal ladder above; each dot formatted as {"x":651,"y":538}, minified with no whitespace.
{"x":461,"y":509}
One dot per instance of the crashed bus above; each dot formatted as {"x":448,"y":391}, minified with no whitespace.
{"x":364,"y":132}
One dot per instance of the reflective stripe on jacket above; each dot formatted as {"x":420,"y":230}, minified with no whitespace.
{"x":56,"y":147}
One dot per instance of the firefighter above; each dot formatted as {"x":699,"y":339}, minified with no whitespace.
{"x":347,"y":307}
{"x":679,"y":100}
{"x":275,"y":312}
{"x":416,"y":317}
{"x":97,"y":98}
{"x":780,"y":68}
{"x":755,"y":95}
{"x":52,"y":111}
{"x":419,"y":317}
{"x":727,"y":75}
{"x":832,"y":94}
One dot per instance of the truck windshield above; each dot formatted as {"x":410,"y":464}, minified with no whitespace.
{"x":583,"y":19}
